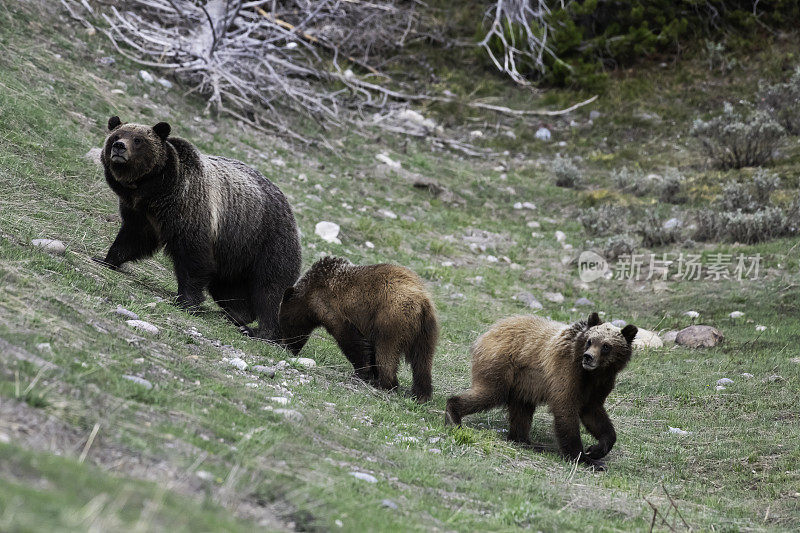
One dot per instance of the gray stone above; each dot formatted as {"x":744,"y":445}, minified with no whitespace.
{"x":141,"y":325}
{"x":237,"y":362}
{"x":139,"y":381}
{"x":594,"y":115}
{"x":363,"y":476}
{"x":268,"y":371}
{"x":669,"y":336}
{"x":528,"y":299}
{"x":673,"y":223}
{"x":304,"y":361}
{"x":50,"y":245}
{"x":389,"y":503}
{"x":699,"y":337}
{"x":619,"y":323}
{"x":555,"y":297}
{"x":724,"y":381}
{"x":127,"y":314}
{"x":647,"y":339}
{"x":584,"y":302}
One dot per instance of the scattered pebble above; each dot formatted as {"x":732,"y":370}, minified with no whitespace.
{"x":691,"y":314}
{"x":719,"y":387}
{"x":279,"y":400}
{"x":476,"y":134}
{"x":369,"y":245}
{"x":669,"y":336}
{"x":677,"y":431}
{"x":146,"y":76}
{"x":141,"y":325}
{"x":363,"y":476}
{"x":268,"y":371}
{"x":795,"y":360}
{"x":290,"y":414}
{"x":773,"y":378}
{"x":389,"y":503}
{"x":543,"y":134}
{"x":127,"y":314}
{"x":736,"y":314}
{"x":304,"y":361}
{"x":528,"y":299}
{"x":435,"y":450}
{"x":555,"y":297}
{"x":447,"y":263}
{"x":139,"y":381}
{"x":584,"y":302}
{"x":619,"y":323}
{"x":673,"y":223}
{"x":251,"y":385}
{"x":761,"y":328}
{"x":165,"y":83}
{"x":237,"y":362}
{"x":385,"y":213}
{"x":383,"y":158}
{"x":724,"y":381}
{"x":93,"y":155}
{"x":747,"y":375}
{"x":560,"y":236}
{"x":328,"y":231}
{"x":533,"y":224}
{"x":50,"y":245}
{"x":44,"y":347}
{"x":594,"y":115}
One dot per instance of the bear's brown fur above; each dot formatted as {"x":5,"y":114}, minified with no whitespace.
{"x":524,"y":361}
{"x":377,"y":314}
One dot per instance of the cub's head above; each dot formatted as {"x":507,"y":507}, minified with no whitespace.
{"x":606,"y":346}
{"x":134,"y":150}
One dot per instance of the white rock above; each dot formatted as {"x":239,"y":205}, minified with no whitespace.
{"x":44,"y":347}
{"x":139,"y":381}
{"x":476,"y":134}
{"x":691,"y":314}
{"x":673,"y":223}
{"x":647,"y":339}
{"x":279,"y":162}
{"x":348,"y":73}
{"x":290,"y":414}
{"x":238,"y":362}
{"x":533,"y":224}
{"x":761,"y":328}
{"x":747,"y":375}
{"x":543,"y":134}
{"x":669,"y":336}
{"x":146,"y":76}
{"x":279,"y":400}
{"x":719,"y":387}
{"x":447,"y":263}
{"x":363,"y":476}
{"x":492,"y":259}
{"x":583,"y":302}
{"x":93,"y":155}
{"x":383,"y":158}
{"x":594,"y":115}
{"x":165,"y":83}
{"x":141,"y":325}
{"x":510,"y":134}
{"x":291,"y":45}
{"x":529,"y":205}
{"x":677,"y":431}
{"x":435,"y":450}
{"x":555,"y":297}
{"x":127,"y":314}
{"x":736,"y":314}
{"x":205,"y":476}
{"x":328,"y":231}
{"x":369,"y":245}
{"x":385,"y":213}
{"x":560,"y":236}
{"x":50,"y":245}
{"x":619,"y":323}
{"x":304,"y":361}
{"x":724,"y":381}
{"x":518,"y":205}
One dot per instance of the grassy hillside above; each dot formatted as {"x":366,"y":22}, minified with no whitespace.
{"x":209,"y":448}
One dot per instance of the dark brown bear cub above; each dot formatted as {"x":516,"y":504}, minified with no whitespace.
{"x":378,"y":314}
{"x":524,"y":361}
{"x":225,"y":226}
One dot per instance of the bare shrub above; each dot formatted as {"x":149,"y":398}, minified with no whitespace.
{"x":604,"y":220}
{"x":782,"y":101}
{"x":566,"y":174}
{"x":739,"y":137}
{"x":655,"y":233}
{"x":749,"y":197}
{"x":619,"y":245}
{"x":667,"y":187}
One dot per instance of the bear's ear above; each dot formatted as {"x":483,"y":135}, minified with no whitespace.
{"x":629,"y":332}
{"x":162,"y":129}
{"x":288,"y":293}
{"x":113,"y":123}
{"x":594,"y":320}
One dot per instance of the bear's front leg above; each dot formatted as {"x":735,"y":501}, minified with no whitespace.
{"x":193,"y":272}
{"x":599,"y":425}
{"x":358,"y":350}
{"x":566,"y":423}
{"x":137,"y":239}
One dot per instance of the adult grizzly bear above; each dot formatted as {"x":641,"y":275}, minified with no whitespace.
{"x":226,"y":227}
{"x":377,"y":314}
{"x":523,"y":361}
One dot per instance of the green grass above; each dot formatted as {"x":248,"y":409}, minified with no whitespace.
{"x":739,"y":468}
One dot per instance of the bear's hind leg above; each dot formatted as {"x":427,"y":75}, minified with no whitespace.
{"x":520,"y":416}
{"x":387,"y":359}
{"x":471,"y":401}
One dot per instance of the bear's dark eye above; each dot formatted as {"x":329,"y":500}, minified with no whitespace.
{"x":606,"y":348}
{"x":137,"y":140}
{"x":588,"y":343}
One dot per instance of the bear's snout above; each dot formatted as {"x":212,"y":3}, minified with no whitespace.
{"x":589,"y":362}
{"x":119,"y":151}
